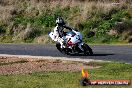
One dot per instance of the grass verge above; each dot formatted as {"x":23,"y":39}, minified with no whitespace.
{"x":65,"y":79}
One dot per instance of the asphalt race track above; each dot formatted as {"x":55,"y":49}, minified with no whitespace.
{"x":101,"y":52}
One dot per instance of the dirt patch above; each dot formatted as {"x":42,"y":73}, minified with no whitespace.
{"x":14,"y":65}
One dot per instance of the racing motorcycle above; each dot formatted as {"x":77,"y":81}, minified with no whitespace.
{"x":73,"y":44}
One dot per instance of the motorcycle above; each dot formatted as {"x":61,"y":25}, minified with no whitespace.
{"x":73,"y":44}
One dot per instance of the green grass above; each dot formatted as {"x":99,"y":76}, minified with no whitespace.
{"x":68,"y":79}
{"x":86,"y":17}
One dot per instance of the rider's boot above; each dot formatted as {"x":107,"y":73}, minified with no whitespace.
{"x":80,"y":46}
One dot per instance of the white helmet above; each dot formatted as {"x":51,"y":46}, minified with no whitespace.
{"x":60,"y":21}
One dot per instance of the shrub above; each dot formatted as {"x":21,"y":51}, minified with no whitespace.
{"x":2,"y":31}
{"x":2,"y":28}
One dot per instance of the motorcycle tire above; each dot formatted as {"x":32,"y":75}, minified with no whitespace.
{"x":87,"y":49}
{"x":64,"y":51}
{"x":58,"y":46}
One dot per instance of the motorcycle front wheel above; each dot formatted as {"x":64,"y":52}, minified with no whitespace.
{"x":65,"y":51}
{"x":58,"y":46}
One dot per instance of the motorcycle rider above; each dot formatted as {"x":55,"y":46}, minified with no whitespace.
{"x":58,"y":31}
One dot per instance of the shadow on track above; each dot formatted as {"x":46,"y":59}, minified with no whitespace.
{"x":90,"y":55}
{"x":102,"y":54}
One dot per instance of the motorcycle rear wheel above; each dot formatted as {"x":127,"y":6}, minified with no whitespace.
{"x":87,"y":49}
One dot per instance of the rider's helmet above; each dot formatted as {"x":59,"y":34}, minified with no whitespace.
{"x":60,"y":21}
